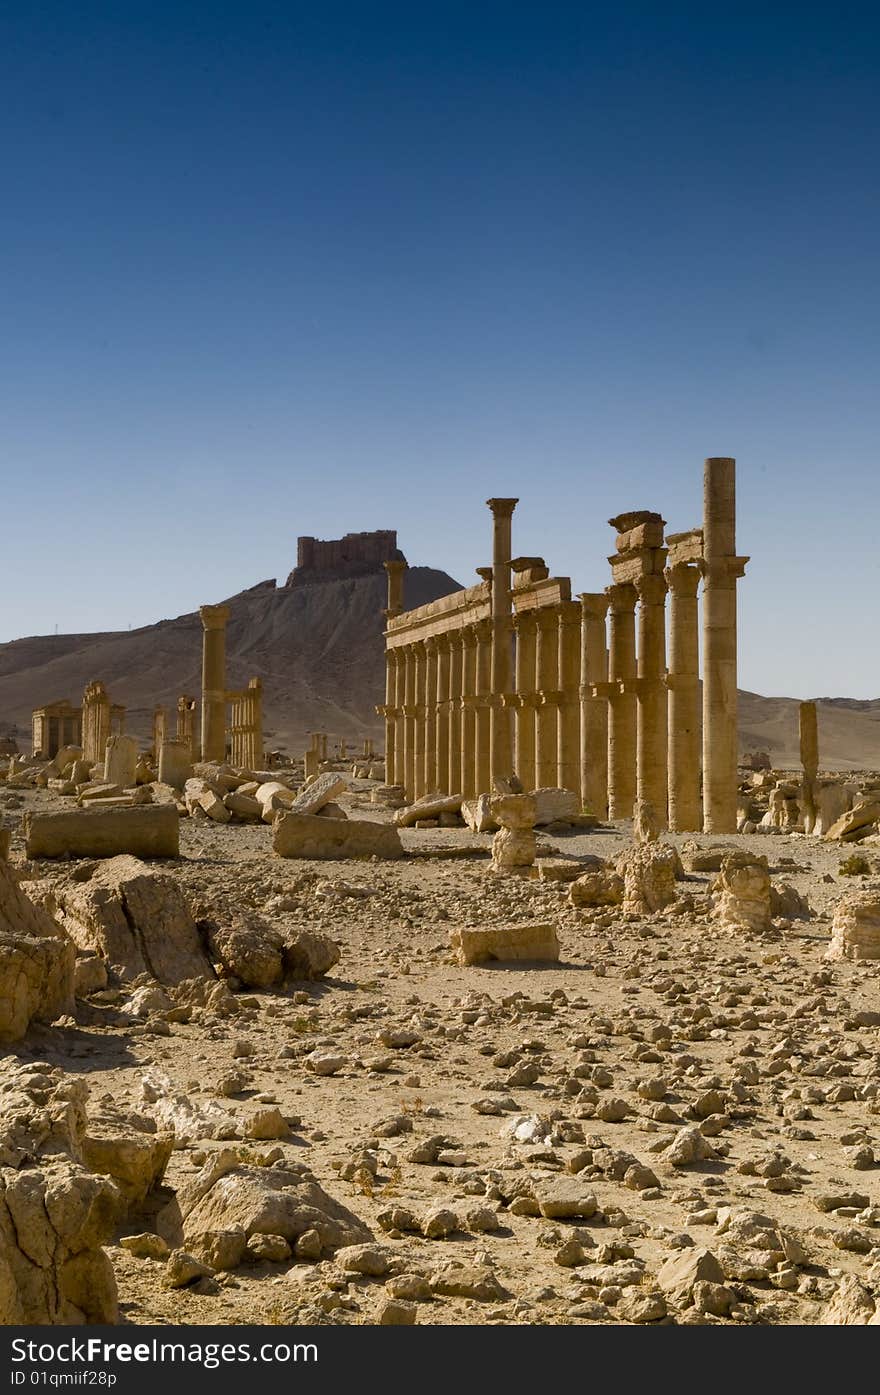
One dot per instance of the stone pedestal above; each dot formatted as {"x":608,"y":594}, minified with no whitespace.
{"x":721,"y":569}
{"x":621,"y":701}
{"x":214,"y":618}
{"x":683,"y":683}
{"x":594,"y":708}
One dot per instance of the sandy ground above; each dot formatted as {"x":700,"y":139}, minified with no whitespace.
{"x":764,"y":1023}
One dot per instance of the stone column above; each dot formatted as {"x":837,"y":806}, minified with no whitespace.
{"x":468,"y":711}
{"x":430,"y":718}
{"x":456,"y":678}
{"x":594,"y":706}
{"x":809,"y":736}
{"x":568,"y":764}
{"x":622,"y":701}
{"x":390,"y":715}
{"x":501,"y":745}
{"x":395,"y":571}
{"x":547,"y":663}
{"x":409,"y":725}
{"x":399,"y":718}
{"x":441,"y":719}
{"x":721,"y":569}
{"x":485,"y":712}
{"x":683,"y":683}
{"x":526,"y":626}
{"x":651,"y":700}
{"x":214,"y":618}
{"x":421,"y":664}
{"x":255,"y":717}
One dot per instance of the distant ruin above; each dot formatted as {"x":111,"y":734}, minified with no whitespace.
{"x":355,"y":554}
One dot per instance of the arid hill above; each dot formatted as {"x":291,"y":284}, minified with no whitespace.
{"x":317,"y":646}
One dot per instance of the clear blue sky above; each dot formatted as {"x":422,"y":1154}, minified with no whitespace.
{"x":270,"y":269}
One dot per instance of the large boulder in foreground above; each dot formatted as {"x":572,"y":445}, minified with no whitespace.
{"x":54,"y":1214}
{"x":148,"y":830}
{"x":36,"y":961}
{"x":229,"y":1201}
{"x":311,"y":836}
{"x":137,"y":920}
{"x":261,"y":954}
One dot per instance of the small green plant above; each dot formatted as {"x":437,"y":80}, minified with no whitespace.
{"x":856,"y":865}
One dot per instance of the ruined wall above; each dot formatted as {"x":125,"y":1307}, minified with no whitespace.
{"x":352,"y":555}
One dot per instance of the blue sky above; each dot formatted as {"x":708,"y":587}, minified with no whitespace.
{"x":279,"y":269}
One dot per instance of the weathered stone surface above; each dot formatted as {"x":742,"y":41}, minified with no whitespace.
{"x":477,"y":814}
{"x":552,"y":804}
{"x":513,"y":848}
{"x":309,"y":956}
{"x":137,"y":920}
{"x":855,"y":929}
{"x":54,"y":1215}
{"x":127,"y":1147}
{"x":175,"y":763}
{"x":742,"y":893}
{"x":514,"y":812}
{"x":853,"y":825}
{"x":690,"y":1266}
{"x":151,"y":830}
{"x":36,"y":962}
{"x":120,"y":760}
{"x":648,"y":871}
{"x":310,"y":836}
{"x":505,"y":944}
{"x":320,"y":792}
{"x":228,"y":1195}
{"x":602,"y":888}
{"x":431,"y":807}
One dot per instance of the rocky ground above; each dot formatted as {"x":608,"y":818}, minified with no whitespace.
{"x":673,"y":1124}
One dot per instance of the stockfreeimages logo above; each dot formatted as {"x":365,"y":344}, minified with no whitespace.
{"x":94,"y":1351}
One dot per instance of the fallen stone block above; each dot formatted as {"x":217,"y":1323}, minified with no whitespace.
{"x":505,"y":944}
{"x":320,"y":792}
{"x":310,"y":836}
{"x":555,"y":804}
{"x":151,"y":830}
{"x":855,"y":929}
{"x":431,"y":807}
{"x":855,"y":824}
{"x":36,"y":962}
{"x":477,"y":814}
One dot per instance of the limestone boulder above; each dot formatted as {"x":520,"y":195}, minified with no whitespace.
{"x":857,"y":823}
{"x":477,"y":814}
{"x":553,"y":804}
{"x":129,"y":1148}
{"x":649,"y":873}
{"x":514,"y":812}
{"x":246,"y":946}
{"x":37,"y":960}
{"x":323,"y":790}
{"x":228,"y":1197}
{"x":310,"y":836}
{"x":742,"y":893}
{"x":855,"y":928}
{"x":604,"y":887}
{"x":513,"y":848}
{"x":309,"y":956}
{"x":508,"y":943}
{"x":137,"y":920}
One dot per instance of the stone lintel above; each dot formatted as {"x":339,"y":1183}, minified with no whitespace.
{"x":540,"y":594}
{"x":642,"y":562}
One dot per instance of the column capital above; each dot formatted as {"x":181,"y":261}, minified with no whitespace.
{"x":483,"y":629}
{"x":622,"y":597}
{"x":524,"y":620}
{"x":214,"y":617}
{"x":502,"y":508}
{"x":651,"y":588}
{"x":683,"y":579}
{"x":547,"y":617}
{"x":594,"y":604}
{"x":723,"y":571}
{"x":431,"y":644}
{"x":570,"y":613}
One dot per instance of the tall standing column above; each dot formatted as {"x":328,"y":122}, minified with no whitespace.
{"x":721,"y":570}
{"x":430,"y":718}
{"x":683,"y":683}
{"x":399,"y":717}
{"x":526,"y":626}
{"x":441,"y":718}
{"x":594,"y":707}
{"x":621,"y":701}
{"x":809,"y":737}
{"x":651,"y":702}
{"x":214,"y":618}
{"x":456,"y":714}
{"x":568,"y":766}
{"x":409,"y":724}
{"x":501,"y":745}
{"x":546,"y":740}
{"x":468,"y":711}
{"x":421,"y":665}
{"x":485,"y":713}
{"x":390,"y":715}
{"x":394,"y":773}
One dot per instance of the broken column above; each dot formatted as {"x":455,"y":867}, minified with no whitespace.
{"x":621,"y":701}
{"x":186,"y":721}
{"x":95,"y":722}
{"x":175,"y":763}
{"x":594,"y":704}
{"x":501,"y":746}
{"x":683,"y":681}
{"x":568,"y":762}
{"x":809,"y":735}
{"x":120,"y":760}
{"x":721,"y":569}
{"x":214,"y":618}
